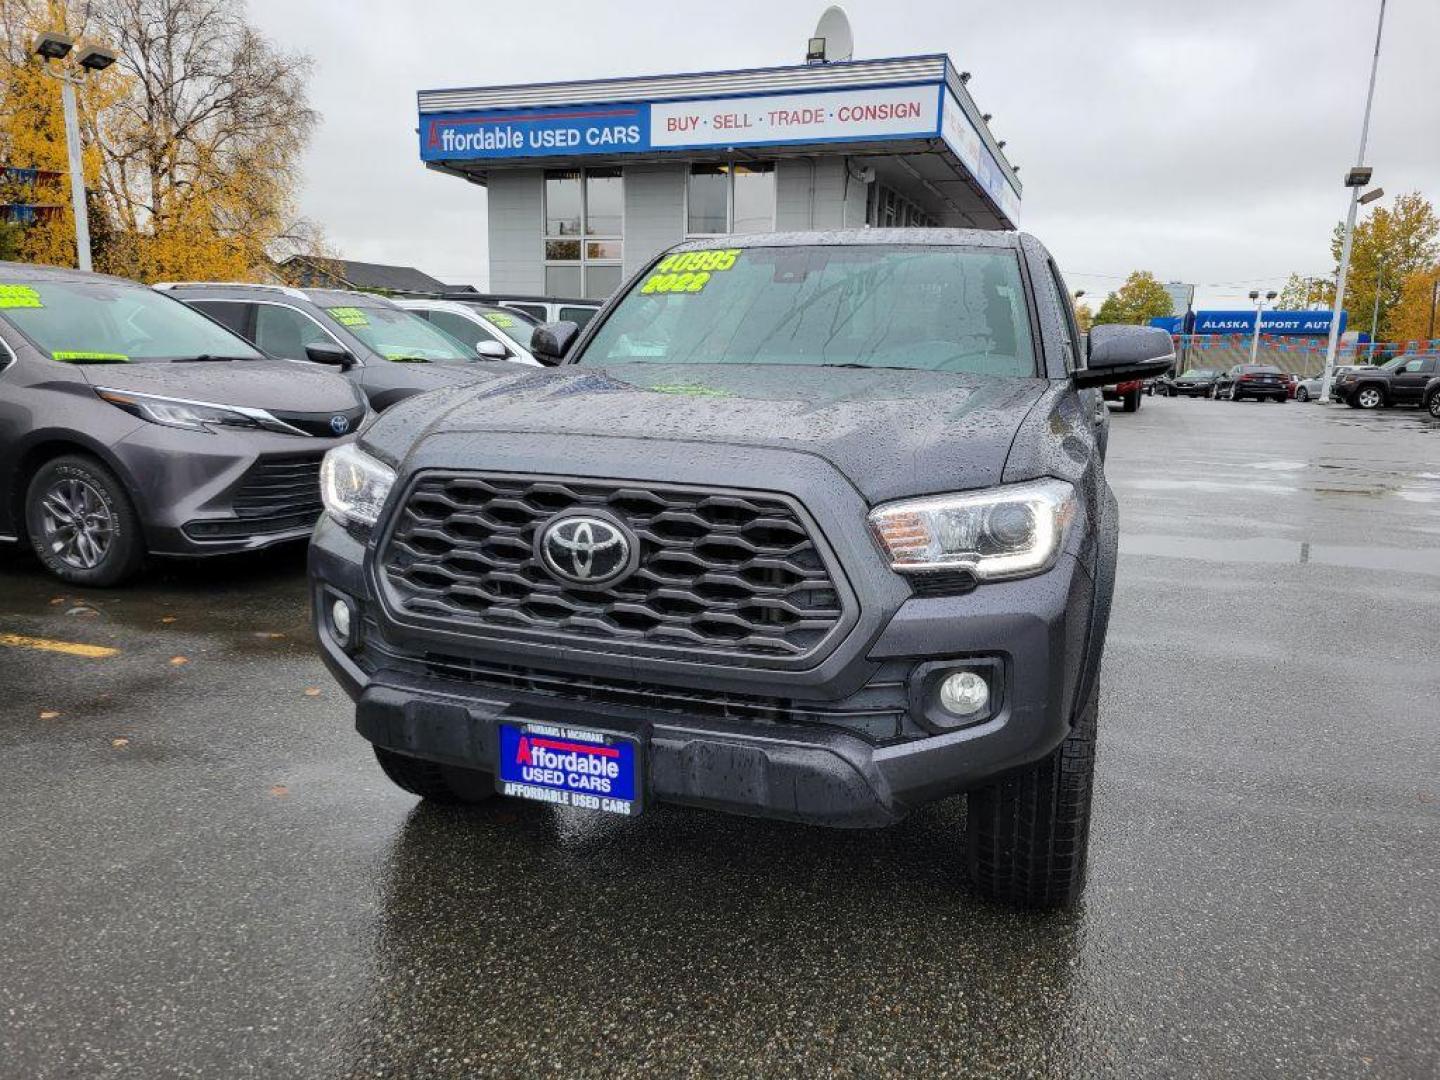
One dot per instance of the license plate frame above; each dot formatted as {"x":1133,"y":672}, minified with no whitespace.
{"x":569,"y":765}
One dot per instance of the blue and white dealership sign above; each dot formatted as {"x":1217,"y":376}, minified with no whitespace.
{"x":1271,"y":322}
{"x":823,"y":116}
{"x":924,"y":111}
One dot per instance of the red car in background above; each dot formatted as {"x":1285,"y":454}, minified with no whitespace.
{"x":1127,"y":393}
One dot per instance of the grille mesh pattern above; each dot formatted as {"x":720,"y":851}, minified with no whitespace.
{"x":726,"y":572}
{"x":279,"y":488}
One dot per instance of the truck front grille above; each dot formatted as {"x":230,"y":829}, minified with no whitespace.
{"x":720,"y":571}
{"x":878,"y":711}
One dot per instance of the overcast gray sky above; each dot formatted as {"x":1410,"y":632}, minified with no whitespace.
{"x":1204,"y":141}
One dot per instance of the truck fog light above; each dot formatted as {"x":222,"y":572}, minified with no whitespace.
{"x":340,"y":621}
{"x":964,"y":694}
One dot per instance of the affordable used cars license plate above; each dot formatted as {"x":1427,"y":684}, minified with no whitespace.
{"x":570,"y":766}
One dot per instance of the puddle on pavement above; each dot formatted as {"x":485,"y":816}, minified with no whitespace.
{"x":1211,"y":486}
{"x":1283,"y":552}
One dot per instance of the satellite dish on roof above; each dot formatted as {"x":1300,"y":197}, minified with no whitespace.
{"x":832,"y":39}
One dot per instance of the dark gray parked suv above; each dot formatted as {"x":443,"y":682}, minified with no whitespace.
{"x":809,"y":526}
{"x":129,"y":423}
{"x":389,"y":352}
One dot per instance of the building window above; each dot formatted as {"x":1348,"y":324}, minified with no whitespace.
{"x":730,"y":198}
{"x":584,"y":231}
{"x":886,"y":208}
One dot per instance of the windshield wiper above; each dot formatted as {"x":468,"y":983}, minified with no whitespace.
{"x":874,"y":367}
{"x":206,"y":357}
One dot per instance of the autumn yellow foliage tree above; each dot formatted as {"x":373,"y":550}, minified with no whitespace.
{"x":192,"y":139}
{"x":1416,"y":317}
{"x":32,"y":130}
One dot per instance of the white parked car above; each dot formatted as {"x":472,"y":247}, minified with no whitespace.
{"x":495,"y":333}
{"x":1309,"y":389}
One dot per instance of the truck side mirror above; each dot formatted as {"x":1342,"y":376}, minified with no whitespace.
{"x":1118,"y":354}
{"x":552,"y":340}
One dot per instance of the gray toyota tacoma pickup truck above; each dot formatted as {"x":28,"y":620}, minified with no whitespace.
{"x":810,"y":526}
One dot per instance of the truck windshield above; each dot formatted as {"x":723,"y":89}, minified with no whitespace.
{"x":865,"y":305}
{"x":100,"y":322}
{"x":397,"y":334}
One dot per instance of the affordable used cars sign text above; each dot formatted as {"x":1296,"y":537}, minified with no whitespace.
{"x":828,"y":116}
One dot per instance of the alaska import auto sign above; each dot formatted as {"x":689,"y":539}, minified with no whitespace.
{"x":811,"y":117}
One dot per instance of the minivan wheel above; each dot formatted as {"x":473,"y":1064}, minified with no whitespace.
{"x":1369,"y":397}
{"x":82,"y":524}
{"x":1027,"y":837}
{"x":436,"y":782}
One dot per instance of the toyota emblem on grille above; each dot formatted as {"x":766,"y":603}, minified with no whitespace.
{"x":339,"y":423}
{"x":588,"y":551}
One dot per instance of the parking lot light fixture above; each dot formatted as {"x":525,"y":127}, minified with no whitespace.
{"x":53,"y":46}
{"x":1355,"y":179}
{"x":1259,"y":309}
{"x":94,"y":58}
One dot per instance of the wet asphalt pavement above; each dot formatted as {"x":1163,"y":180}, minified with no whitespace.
{"x":203,"y":873}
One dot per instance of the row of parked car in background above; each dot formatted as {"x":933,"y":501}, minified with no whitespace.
{"x":272,"y":376}
{"x":1403,"y":380}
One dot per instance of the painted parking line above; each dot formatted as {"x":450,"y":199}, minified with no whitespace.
{"x":70,"y":648}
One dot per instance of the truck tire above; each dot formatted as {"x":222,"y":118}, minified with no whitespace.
{"x":435,"y":782}
{"x":1369,"y":397}
{"x":1130,"y":402}
{"x":82,"y":524}
{"x":1027,"y":837}
{"x":1433,"y":405}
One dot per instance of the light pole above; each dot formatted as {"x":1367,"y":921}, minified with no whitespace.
{"x":1375,"y":311}
{"x":52,"y":46}
{"x":1259,"y":307}
{"x":1357,"y":178}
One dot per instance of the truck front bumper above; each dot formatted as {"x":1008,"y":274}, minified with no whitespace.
{"x":1037,"y":634}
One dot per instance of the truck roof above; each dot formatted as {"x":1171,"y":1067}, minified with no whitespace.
{"x":848,"y":237}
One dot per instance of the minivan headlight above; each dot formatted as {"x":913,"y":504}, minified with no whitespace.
{"x":353,"y":485}
{"x":191,"y":415}
{"x":1005,"y":532}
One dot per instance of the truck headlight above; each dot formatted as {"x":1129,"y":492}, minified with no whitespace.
{"x":1004,"y":532}
{"x":353,"y":485}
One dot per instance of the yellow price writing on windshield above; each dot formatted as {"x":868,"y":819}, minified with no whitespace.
{"x":348,"y":316}
{"x":675,"y":283}
{"x":688,"y":271}
{"x":73,"y":355}
{"x":718,"y":259}
{"x":18,"y":296}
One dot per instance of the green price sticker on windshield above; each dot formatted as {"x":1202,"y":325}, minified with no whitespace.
{"x":689,"y":271}
{"x":502,"y":321}
{"x":348,"y":316}
{"x":82,"y":356}
{"x":19,"y":296}
{"x":400,"y":356}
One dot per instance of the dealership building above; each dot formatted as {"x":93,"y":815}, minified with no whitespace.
{"x":588,"y":180}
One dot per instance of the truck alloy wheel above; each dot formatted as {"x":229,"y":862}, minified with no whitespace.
{"x":1369,"y":398}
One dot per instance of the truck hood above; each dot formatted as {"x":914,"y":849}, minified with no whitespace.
{"x":893,"y":433}
{"x":254,"y":384}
